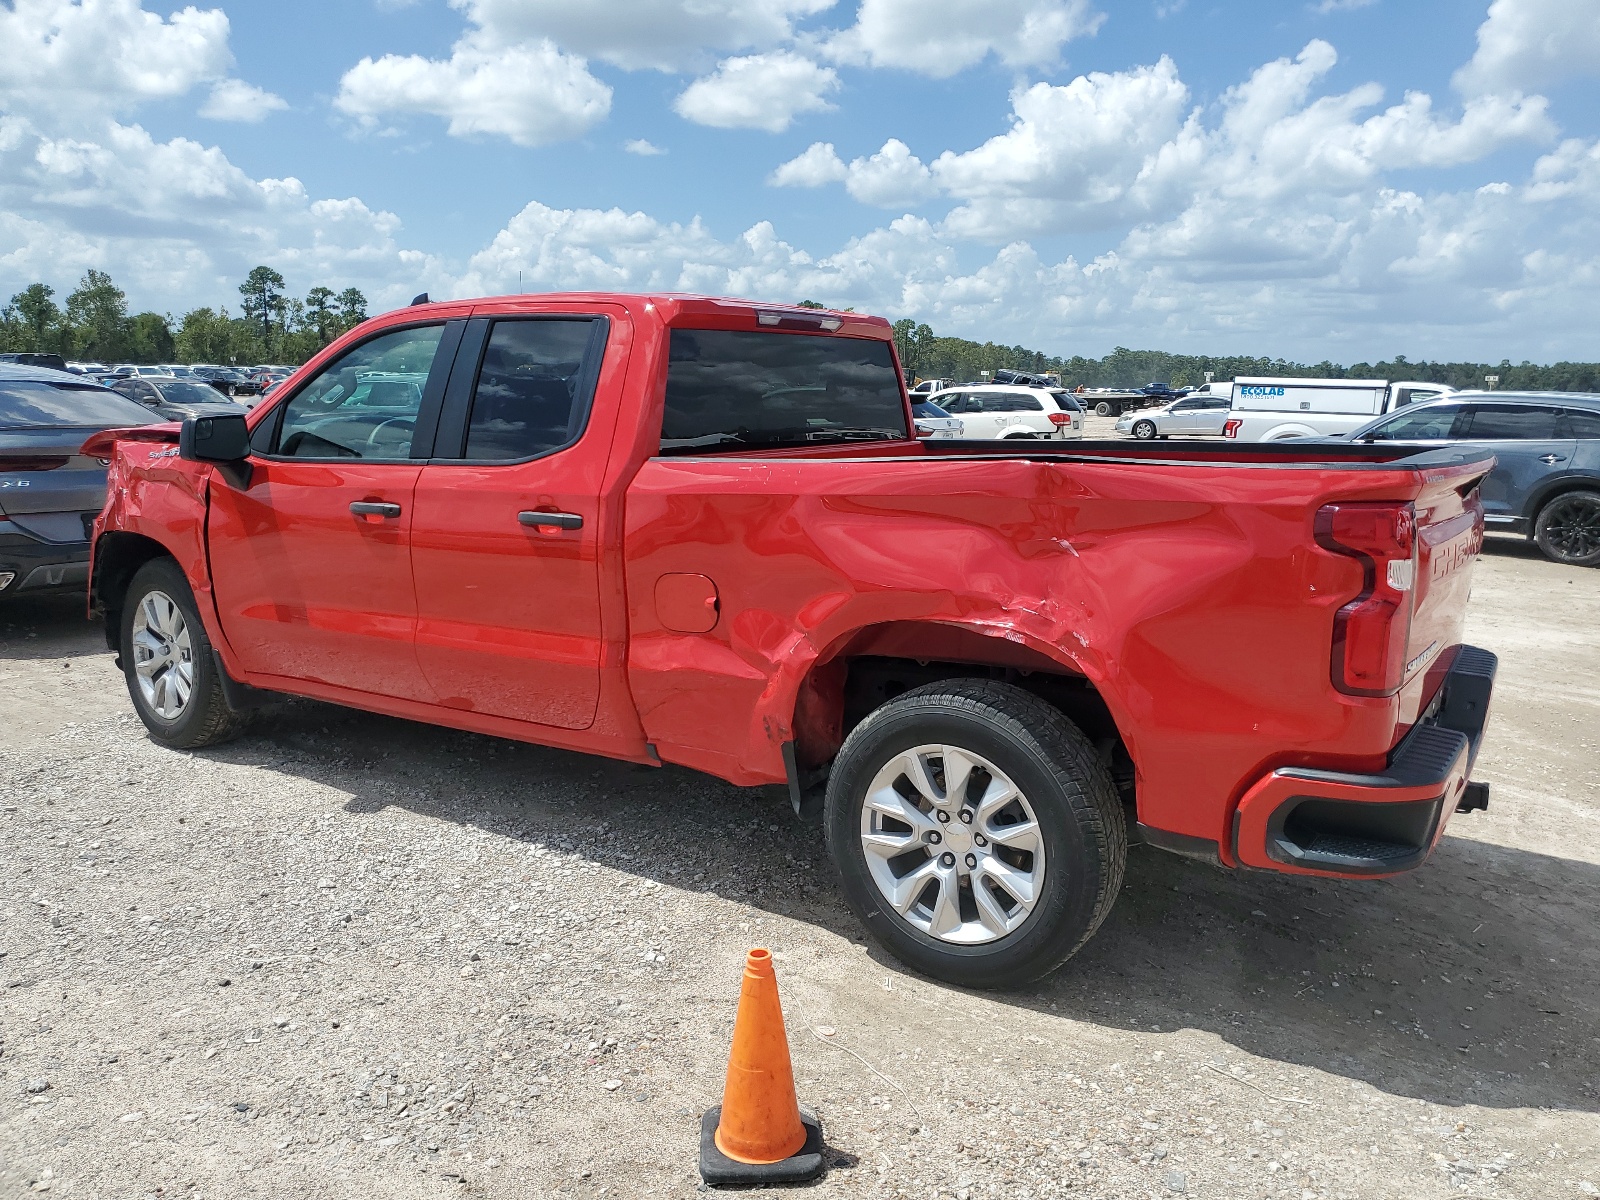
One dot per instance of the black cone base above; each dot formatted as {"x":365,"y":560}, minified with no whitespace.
{"x":717,"y":1168}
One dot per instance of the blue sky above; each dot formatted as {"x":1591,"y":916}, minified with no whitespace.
{"x":1338,"y":179}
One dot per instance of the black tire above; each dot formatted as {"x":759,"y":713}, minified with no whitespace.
{"x":1144,"y":430}
{"x":205,"y":718}
{"x":1104,"y":410}
{"x":1567,"y":530}
{"x":1073,"y":798}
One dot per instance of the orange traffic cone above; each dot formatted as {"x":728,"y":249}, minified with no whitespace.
{"x":758,"y":1134}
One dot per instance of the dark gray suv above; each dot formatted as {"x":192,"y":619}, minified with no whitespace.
{"x":50,"y":493}
{"x":1546,"y":481}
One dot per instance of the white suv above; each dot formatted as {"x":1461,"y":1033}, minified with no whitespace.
{"x":999,"y":410}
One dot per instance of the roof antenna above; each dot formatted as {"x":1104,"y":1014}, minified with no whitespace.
{"x":422,"y":299}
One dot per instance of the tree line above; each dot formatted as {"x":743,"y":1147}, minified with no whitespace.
{"x":929,"y":356}
{"x":93,"y":324}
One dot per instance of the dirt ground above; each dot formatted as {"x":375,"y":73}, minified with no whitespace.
{"x":348,"y":956}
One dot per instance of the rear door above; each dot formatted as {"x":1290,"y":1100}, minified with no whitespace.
{"x":506,"y":536}
{"x":1528,"y":447}
{"x":311,"y":563}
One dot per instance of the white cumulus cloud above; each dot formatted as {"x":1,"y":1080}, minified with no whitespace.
{"x":891,"y":178}
{"x":73,"y":60}
{"x":817,"y":165}
{"x":941,"y":37}
{"x":668,"y":35}
{"x":643,"y":147}
{"x":236,"y":100}
{"x":1528,"y":44}
{"x":532,"y":93}
{"x":758,"y":91}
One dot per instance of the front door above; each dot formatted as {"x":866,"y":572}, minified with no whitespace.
{"x":311,"y":562}
{"x":505,"y":544}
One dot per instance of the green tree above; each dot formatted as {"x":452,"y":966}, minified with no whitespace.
{"x":38,"y":317}
{"x":352,"y":308}
{"x":321,"y":319}
{"x":810,"y":304}
{"x":150,"y":338}
{"x":264,"y":301}
{"x":97,"y":310}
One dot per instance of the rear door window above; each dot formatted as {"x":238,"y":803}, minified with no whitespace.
{"x":533,"y":389}
{"x":744,"y":390}
{"x":1578,"y":423}
{"x":1512,"y":422}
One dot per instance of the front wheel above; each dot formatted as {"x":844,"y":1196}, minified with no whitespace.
{"x":166,"y":656}
{"x":978,"y":835}
{"x":1568,"y":530}
{"x":1144,"y":430}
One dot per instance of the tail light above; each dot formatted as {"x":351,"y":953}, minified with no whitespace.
{"x":32,"y":462}
{"x":1231,"y":429}
{"x":921,"y":430}
{"x":1060,"y":418}
{"x":1371,"y":632}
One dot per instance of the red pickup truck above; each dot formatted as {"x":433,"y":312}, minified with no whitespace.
{"x":699,"y":531}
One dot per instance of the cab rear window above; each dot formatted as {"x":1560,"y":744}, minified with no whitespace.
{"x":737,"y":390}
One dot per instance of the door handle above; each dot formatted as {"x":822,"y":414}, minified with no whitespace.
{"x":1550,"y":460}
{"x":550,"y":519}
{"x":375,"y":508}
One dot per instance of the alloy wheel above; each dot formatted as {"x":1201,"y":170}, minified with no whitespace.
{"x":163,"y":655}
{"x":953,"y":845}
{"x":1572,"y":527}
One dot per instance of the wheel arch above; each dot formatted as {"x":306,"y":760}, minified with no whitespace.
{"x":866,"y":667}
{"x":118,"y":555}
{"x":1554,"y":489}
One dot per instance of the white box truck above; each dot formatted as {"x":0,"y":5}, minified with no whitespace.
{"x":1269,"y":410}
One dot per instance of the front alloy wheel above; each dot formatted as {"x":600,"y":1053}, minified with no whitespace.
{"x":1568,"y":530}
{"x":163,"y":655}
{"x":1144,"y":430}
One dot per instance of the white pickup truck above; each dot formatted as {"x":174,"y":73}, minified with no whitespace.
{"x":1269,"y":410}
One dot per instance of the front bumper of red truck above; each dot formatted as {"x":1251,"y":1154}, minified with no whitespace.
{"x":1311,"y":822}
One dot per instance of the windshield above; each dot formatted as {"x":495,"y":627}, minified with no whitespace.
{"x":764,"y":390}
{"x":186,"y":391}
{"x":24,"y":403}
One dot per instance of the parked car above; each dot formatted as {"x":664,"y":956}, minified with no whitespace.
{"x":53,"y":362}
{"x":126,"y":369}
{"x":50,"y":492}
{"x":931,"y":421}
{"x":1160,"y":391}
{"x":1004,"y":411}
{"x":928,"y":387}
{"x":1269,"y":410}
{"x":990,"y":662}
{"x":1546,"y":480}
{"x":226,"y":380}
{"x":174,"y":399}
{"x":1026,"y":378}
{"x":1189,"y":416}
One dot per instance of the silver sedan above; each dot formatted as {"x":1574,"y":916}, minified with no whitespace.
{"x":1193,"y":416}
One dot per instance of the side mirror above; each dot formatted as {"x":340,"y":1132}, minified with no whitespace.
{"x":224,"y":440}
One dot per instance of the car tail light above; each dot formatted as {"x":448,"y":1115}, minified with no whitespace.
{"x":1060,"y":418}
{"x":1231,"y":429}
{"x":922,"y":430}
{"x":1371,"y":632}
{"x":32,"y":462}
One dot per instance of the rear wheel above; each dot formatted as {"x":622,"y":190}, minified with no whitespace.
{"x":1103,"y":409}
{"x":1568,"y":529}
{"x":1144,"y":430}
{"x":978,"y":835}
{"x":166,"y":656}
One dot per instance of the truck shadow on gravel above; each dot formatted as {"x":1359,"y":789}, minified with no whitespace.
{"x":1471,"y":982}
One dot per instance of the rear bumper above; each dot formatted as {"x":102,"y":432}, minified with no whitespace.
{"x":1304,"y":821}
{"x":36,"y":566}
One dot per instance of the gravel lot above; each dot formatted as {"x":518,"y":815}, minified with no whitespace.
{"x":349,"y":956}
